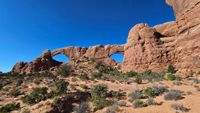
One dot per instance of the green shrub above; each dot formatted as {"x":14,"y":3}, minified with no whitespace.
{"x":61,"y":86}
{"x":99,"y":91}
{"x":97,"y":75}
{"x":99,"y":94}
{"x":37,"y":95}
{"x":139,"y":103}
{"x":159,"y":90}
{"x":130,"y":74}
{"x":83,"y":108}
{"x":64,"y":70}
{"x":171,"y":69}
{"x":171,"y":77}
{"x":19,"y":82}
{"x":84,"y":77}
{"x":101,"y":103}
{"x":136,"y":94}
{"x":138,"y":79}
{"x":9,"y":107}
{"x":150,"y":92}
{"x":179,"y":107}
{"x":103,"y":68}
{"x":15,"y":92}
{"x":150,"y":101}
{"x":116,"y":94}
{"x":173,"y":95}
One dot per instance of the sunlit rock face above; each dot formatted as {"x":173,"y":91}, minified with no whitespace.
{"x":176,"y":42}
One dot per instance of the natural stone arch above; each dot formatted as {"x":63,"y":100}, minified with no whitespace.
{"x":61,"y":58}
{"x":118,"y":57}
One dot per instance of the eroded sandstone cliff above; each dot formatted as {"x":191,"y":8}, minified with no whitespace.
{"x":176,"y":43}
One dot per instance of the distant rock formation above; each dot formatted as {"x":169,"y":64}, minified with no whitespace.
{"x":45,"y":61}
{"x":176,"y":43}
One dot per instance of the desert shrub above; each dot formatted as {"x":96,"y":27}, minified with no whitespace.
{"x":9,"y":107}
{"x":150,"y":92}
{"x":173,"y":95}
{"x":139,"y":103}
{"x":15,"y":92}
{"x":99,"y":94}
{"x":82,"y":108}
{"x":138,"y":79}
{"x":101,"y":103}
{"x":171,"y":77}
{"x":116,"y":94}
{"x":150,"y":101}
{"x":64,"y":70}
{"x":99,"y":91}
{"x":112,"y":109}
{"x":84,"y":76}
{"x":37,"y":95}
{"x":195,"y":81}
{"x":136,"y":94}
{"x":97,"y":75}
{"x":19,"y":82}
{"x":160,"y":76}
{"x":171,"y":69}
{"x":103,"y":68}
{"x":61,"y":86}
{"x":179,"y":107}
{"x":130,"y":74}
{"x":159,"y":90}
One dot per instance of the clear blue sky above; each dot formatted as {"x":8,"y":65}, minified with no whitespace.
{"x":27,"y":27}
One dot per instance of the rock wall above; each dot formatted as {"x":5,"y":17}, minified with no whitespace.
{"x":176,"y":43}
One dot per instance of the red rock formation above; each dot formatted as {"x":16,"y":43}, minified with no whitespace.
{"x":176,"y":43}
{"x":45,"y":61}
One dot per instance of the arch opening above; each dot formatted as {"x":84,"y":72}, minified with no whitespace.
{"x":61,"y":58}
{"x":118,"y":57}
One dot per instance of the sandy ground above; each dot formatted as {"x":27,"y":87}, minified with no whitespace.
{"x":191,"y":101}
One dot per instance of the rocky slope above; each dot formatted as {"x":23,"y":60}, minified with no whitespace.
{"x":175,"y":43}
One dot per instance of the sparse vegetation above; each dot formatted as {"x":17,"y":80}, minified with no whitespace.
{"x":173,"y":95}
{"x":150,"y":101}
{"x":171,"y":77}
{"x":136,"y":94}
{"x":139,"y":103}
{"x":99,"y":95}
{"x":84,"y":86}
{"x":61,"y":86}
{"x":37,"y":95}
{"x":9,"y":107}
{"x":138,"y":79}
{"x":97,"y":75}
{"x":64,"y":70}
{"x":179,"y":107}
{"x":171,"y":69}
{"x":159,"y":90}
{"x":112,"y":109}
{"x":14,"y":92}
{"x":84,"y":77}
{"x":150,"y":92}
